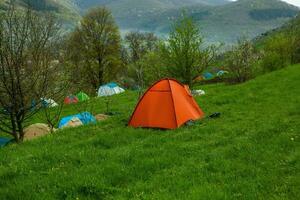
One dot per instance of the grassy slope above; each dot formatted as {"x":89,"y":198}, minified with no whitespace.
{"x":251,"y":152}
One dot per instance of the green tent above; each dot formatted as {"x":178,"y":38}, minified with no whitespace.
{"x":82,"y":96}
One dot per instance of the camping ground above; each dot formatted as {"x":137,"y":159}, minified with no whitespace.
{"x":251,"y":152}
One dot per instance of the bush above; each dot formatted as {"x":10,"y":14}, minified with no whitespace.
{"x":241,"y":62}
{"x":278,"y":52}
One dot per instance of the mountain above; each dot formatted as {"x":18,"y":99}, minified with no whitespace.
{"x":144,"y":4}
{"x":289,"y":28}
{"x":66,"y":10}
{"x":223,"y":23}
{"x":219,"y":20}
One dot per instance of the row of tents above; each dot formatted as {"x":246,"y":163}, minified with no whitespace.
{"x":167,"y":104}
{"x":109,"y":89}
{"x":210,"y":75}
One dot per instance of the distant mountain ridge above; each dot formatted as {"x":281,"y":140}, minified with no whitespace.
{"x":219,"y":20}
{"x":66,"y":10}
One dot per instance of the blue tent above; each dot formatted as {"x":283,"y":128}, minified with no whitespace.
{"x":208,"y":75}
{"x":111,"y":85}
{"x":4,"y":141}
{"x":85,"y":118}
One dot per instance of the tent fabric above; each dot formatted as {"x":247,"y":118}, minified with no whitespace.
{"x":36,"y":130}
{"x":167,"y":104}
{"x":71,"y":99}
{"x":81,"y":96}
{"x":109,"y":90}
{"x":222,"y":72}
{"x":73,"y":122}
{"x":208,"y":75}
{"x":198,"y":78}
{"x":4,"y":141}
{"x":198,"y":92}
{"x":112,"y":85}
{"x":48,"y":103}
{"x":85,"y":118}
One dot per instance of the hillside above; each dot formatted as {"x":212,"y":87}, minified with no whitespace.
{"x":66,"y":10}
{"x":287,"y":28}
{"x":251,"y":152}
{"x":223,"y":23}
{"x":220,"y":20}
{"x":145,"y":4}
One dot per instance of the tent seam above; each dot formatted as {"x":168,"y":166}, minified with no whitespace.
{"x":171,"y":91}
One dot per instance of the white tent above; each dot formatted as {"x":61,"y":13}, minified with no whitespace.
{"x":198,"y":92}
{"x":109,"y":90}
{"x":48,"y":102}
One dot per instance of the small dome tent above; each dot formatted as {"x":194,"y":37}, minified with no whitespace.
{"x":167,"y":104}
{"x":208,"y":76}
{"x":5,"y":141}
{"x":221,"y":73}
{"x":81,"y":96}
{"x":71,"y":99}
{"x":84,"y":118}
{"x":48,"y":103}
{"x":109,"y":90}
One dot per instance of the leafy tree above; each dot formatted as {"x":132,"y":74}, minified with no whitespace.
{"x":240,"y":61}
{"x":138,"y":46}
{"x":184,"y":51}
{"x":96,"y":44}
{"x":28,"y":69}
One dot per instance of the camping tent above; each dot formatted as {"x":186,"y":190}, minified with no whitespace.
{"x":36,"y":130}
{"x":4,"y":141}
{"x":109,"y":90}
{"x":48,"y":103}
{"x":222,"y":72}
{"x":73,"y":122}
{"x":81,"y":96}
{"x":198,"y":78}
{"x":208,"y":75}
{"x":71,"y":99}
{"x":84,"y":117}
{"x":167,"y":104}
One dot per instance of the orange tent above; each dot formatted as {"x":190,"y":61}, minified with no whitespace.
{"x":166,"y":104}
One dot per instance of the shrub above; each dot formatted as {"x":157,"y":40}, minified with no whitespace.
{"x":241,"y":61}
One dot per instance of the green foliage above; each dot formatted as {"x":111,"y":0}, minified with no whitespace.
{"x":154,"y":68}
{"x":139,"y":49}
{"x":94,"y":48}
{"x":281,"y":47}
{"x":251,"y":152}
{"x":278,"y":52}
{"x":184,"y":52}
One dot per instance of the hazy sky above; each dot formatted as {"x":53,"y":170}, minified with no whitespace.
{"x":294,"y":2}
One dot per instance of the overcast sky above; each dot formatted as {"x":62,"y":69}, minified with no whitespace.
{"x":294,"y":2}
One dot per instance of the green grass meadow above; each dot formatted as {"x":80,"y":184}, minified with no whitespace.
{"x":251,"y":152}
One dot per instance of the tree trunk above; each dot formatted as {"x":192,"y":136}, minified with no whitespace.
{"x":100,"y":72}
{"x":20,"y":130}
